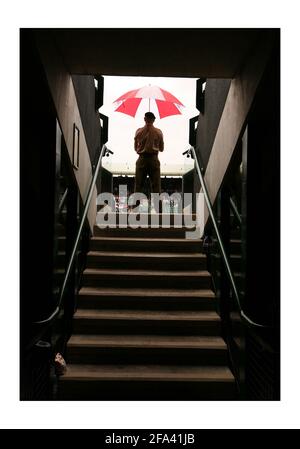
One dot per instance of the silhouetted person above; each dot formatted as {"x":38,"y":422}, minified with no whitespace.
{"x":148,"y":142}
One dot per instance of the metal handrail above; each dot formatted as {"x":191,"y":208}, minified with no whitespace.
{"x":244,"y":317}
{"x":78,"y":235}
{"x":235,"y":211}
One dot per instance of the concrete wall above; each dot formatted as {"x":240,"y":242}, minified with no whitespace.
{"x":85,"y":94}
{"x":37,"y":186}
{"x":84,"y":87}
{"x":233,"y":120}
{"x":216,"y":91}
{"x":68,"y":113}
{"x":262,"y":198}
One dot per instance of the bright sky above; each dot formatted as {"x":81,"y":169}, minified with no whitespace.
{"x":122,"y":127}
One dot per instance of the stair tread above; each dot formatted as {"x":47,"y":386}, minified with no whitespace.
{"x":147,"y":315}
{"x":154,"y":214}
{"x":146,"y":224}
{"x":198,"y":357}
{"x":172,"y":293}
{"x":146,"y":239}
{"x":156,"y":255}
{"x":149,"y":373}
{"x":147,"y":341}
{"x":139,"y":272}
{"x":232,"y":256}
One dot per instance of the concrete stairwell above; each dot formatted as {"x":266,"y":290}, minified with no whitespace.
{"x":146,"y":327}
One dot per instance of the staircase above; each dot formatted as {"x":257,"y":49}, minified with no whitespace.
{"x":146,"y":326}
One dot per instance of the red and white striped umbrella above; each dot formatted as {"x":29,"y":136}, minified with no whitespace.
{"x":166,"y":103}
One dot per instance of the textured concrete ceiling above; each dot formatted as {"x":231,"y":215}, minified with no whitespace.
{"x":180,"y":52}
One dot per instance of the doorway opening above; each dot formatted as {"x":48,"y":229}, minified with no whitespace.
{"x":175,"y":128}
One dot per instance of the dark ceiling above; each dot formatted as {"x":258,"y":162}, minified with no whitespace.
{"x":180,"y":52}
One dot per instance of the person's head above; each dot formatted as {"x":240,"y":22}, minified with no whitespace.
{"x":149,"y":118}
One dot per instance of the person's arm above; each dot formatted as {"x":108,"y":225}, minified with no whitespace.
{"x":161,"y":143}
{"x":136,"y":141}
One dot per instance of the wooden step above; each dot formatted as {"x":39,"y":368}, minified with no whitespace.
{"x":147,"y":278}
{"x":149,"y":219}
{"x":145,"y":326}
{"x":146,"y":382}
{"x":160,"y":349}
{"x":150,"y":298}
{"x":135,"y":259}
{"x":91,"y":321}
{"x":145,"y":244}
{"x":140,"y":232}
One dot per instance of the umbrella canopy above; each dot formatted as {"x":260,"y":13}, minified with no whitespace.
{"x":166,"y":103}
